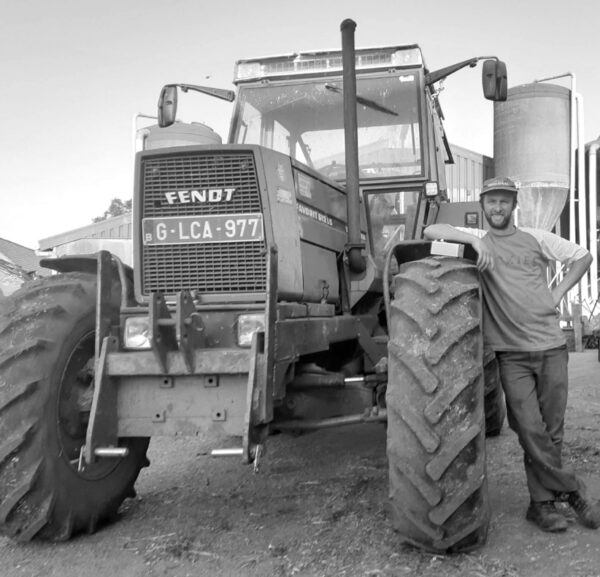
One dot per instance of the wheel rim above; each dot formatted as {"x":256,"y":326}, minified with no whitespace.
{"x":75,"y":397}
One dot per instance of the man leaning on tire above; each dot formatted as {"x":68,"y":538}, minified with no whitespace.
{"x":520,"y":322}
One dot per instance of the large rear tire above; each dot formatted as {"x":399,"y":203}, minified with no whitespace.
{"x":47,"y":331}
{"x":436,"y":428}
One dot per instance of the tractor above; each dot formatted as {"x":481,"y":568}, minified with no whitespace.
{"x":280,"y":283}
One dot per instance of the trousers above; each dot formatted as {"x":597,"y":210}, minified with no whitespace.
{"x":535,"y":385}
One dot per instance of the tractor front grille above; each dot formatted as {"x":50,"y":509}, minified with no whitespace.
{"x":210,"y":268}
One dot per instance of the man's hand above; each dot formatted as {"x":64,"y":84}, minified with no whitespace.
{"x":485,"y":256}
{"x":571,"y":278}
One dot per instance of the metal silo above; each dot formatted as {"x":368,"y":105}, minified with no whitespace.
{"x":532,"y":145}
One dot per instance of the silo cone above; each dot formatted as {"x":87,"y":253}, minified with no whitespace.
{"x":540,"y":204}
{"x":532,"y":144}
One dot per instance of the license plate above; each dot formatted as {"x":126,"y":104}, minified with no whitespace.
{"x":203,"y":229}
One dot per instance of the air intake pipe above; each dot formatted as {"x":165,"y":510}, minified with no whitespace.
{"x":354,"y":246}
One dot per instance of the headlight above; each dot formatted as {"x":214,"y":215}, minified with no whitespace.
{"x":247,"y":325}
{"x":431,"y":189}
{"x":137,"y":333}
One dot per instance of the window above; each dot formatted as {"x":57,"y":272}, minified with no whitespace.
{"x":391,"y":217}
{"x":304,"y":119}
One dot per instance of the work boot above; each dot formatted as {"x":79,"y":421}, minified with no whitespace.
{"x":587,"y":513}
{"x":546,"y":517}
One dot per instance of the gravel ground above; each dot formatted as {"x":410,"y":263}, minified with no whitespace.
{"x":318,"y":508}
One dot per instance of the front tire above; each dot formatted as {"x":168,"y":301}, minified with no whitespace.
{"x":436,"y":425}
{"x":47,"y":332}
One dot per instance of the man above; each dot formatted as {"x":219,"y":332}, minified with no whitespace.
{"x":520,"y":323}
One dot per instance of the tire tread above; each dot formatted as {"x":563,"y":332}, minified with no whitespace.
{"x":40,"y":494}
{"x":438,"y":490}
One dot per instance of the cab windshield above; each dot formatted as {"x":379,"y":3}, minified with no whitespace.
{"x":304,"y":120}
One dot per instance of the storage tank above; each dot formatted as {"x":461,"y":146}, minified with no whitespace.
{"x":532,"y":145}
{"x":178,"y":134}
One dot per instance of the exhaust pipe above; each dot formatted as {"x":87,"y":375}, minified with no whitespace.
{"x":354,"y":246}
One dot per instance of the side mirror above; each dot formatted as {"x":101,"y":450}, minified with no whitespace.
{"x":494,"y":80}
{"x":167,"y":105}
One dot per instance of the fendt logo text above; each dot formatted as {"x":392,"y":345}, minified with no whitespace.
{"x":199,"y":195}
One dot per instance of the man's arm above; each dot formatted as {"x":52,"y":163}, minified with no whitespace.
{"x":571,"y":278}
{"x":485,"y":258}
{"x":573,"y":257}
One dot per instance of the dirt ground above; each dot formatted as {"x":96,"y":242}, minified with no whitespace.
{"x":318,"y":508}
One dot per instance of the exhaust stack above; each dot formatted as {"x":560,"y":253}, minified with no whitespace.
{"x":355,"y":245}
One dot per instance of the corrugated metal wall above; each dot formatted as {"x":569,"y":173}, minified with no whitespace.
{"x":465,"y":177}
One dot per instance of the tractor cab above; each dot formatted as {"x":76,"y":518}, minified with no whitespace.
{"x":294,"y":104}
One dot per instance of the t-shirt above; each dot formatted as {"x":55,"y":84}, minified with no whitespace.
{"x":518,"y":308}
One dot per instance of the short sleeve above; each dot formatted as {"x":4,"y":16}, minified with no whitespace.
{"x":555,"y":247}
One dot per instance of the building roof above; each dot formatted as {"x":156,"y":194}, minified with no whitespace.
{"x":113,"y":227}
{"x":22,"y":256}
{"x":12,"y":278}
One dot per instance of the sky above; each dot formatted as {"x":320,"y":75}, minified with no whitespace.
{"x":74,"y":74}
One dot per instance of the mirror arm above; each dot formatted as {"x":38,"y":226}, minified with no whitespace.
{"x":228,"y":95}
{"x":437,"y":75}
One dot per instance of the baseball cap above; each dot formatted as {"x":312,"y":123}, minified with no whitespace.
{"x":499,"y":183}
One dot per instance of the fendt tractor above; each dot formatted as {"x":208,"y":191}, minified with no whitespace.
{"x":280,"y":284}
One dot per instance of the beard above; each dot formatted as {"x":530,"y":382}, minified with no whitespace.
{"x":498,"y":221}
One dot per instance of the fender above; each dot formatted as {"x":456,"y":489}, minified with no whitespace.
{"x":410,"y":250}
{"x":90,"y":264}
{"x":78,"y":263}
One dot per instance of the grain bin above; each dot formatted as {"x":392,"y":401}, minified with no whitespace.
{"x":532,"y":145}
